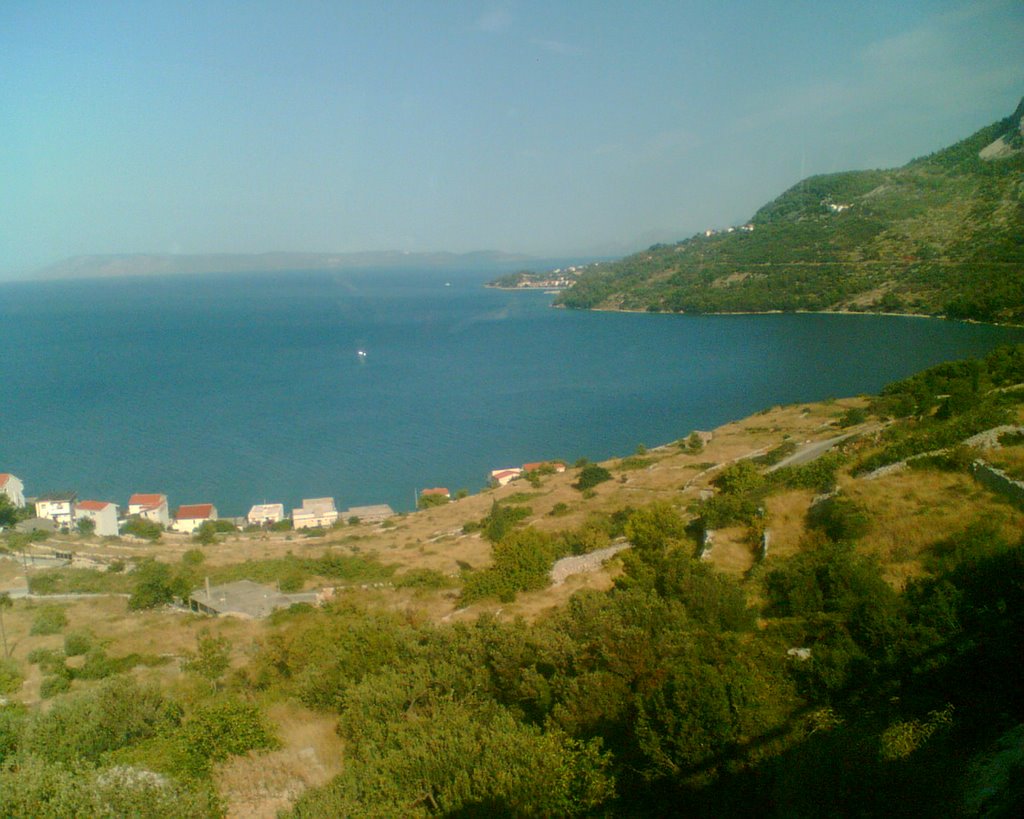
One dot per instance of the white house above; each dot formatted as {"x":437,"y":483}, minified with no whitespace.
{"x":150,"y":507}
{"x":263,"y":514}
{"x":13,"y":488}
{"x":504,"y":476}
{"x":314,"y":512}
{"x":102,"y":513}
{"x":191,"y":516}
{"x":58,"y":507}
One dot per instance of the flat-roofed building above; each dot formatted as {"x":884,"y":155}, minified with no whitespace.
{"x":58,"y":507}
{"x":244,"y":598}
{"x":263,"y":514}
{"x":314,"y":513}
{"x":370,"y":514}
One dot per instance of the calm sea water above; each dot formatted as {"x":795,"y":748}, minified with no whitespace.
{"x":244,"y":389}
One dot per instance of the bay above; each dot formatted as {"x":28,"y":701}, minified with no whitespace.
{"x":243,"y":389}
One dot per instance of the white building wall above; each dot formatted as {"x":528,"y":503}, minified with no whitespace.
{"x":60,"y":512}
{"x":105,"y":519}
{"x":14,"y":489}
{"x":159,"y":514}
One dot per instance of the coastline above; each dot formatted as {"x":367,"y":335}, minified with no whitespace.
{"x":940,"y":317}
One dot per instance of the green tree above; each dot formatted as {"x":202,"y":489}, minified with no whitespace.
{"x":86,"y":526}
{"x":9,"y":513}
{"x":155,"y":585}
{"x":656,"y":528}
{"x":219,"y":729}
{"x":206,"y":534}
{"x":5,"y":603}
{"x":590,"y":476}
{"x":694,"y":443}
{"x":210,"y":660}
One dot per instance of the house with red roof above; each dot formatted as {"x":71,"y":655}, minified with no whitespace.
{"x":150,"y":507}
{"x":437,"y":491}
{"x":504,"y":476}
{"x":13,"y":488}
{"x":191,"y":516}
{"x":102,"y":513}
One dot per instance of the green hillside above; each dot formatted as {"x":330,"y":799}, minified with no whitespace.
{"x":943,"y":235}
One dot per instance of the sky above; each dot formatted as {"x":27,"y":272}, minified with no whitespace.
{"x":555,"y":129}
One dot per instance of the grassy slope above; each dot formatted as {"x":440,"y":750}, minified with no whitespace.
{"x":910,"y":515}
{"x":942,"y":235}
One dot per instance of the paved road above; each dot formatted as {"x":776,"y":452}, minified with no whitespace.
{"x":810,"y":451}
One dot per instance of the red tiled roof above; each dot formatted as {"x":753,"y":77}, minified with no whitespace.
{"x":146,"y":500}
{"x":4,"y":476}
{"x":194,"y":511}
{"x":439,"y":490}
{"x":94,"y":506}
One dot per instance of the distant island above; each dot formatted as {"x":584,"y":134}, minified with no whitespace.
{"x":165,"y":264}
{"x":942,"y":236}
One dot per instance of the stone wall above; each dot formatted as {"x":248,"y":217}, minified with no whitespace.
{"x":998,"y":481}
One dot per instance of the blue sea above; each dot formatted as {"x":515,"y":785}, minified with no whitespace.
{"x":243,"y":389}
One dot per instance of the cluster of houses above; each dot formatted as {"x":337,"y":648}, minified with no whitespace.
{"x":63,"y":510}
{"x":747,"y":228}
{"x":500,"y":477}
{"x":58,"y":510}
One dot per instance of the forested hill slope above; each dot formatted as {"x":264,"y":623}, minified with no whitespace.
{"x":943,"y":235}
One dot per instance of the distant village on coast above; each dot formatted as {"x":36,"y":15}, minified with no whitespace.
{"x":64,"y":511}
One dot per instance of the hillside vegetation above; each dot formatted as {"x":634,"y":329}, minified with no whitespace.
{"x":943,"y":235}
{"x":846,"y":642}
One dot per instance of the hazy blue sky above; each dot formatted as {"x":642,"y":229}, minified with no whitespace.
{"x":549,"y":128}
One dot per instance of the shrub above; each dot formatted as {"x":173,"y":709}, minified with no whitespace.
{"x":1015,"y":438}
{"x":590,"y":476}
{"x":45,"y":657}
{"x":53,"y":685}
{"x":193,"y":557}
{"x":77,"y":643}
{"x":839,"y":518}
{"x":49,"y":620}
{"x":424,"y":579}
{"x":221,"y":729}
{"x":428,"y":501}
{"x":852,"y":417}
{"x":143,"y":528}
{"x":559,"y":509}
{"x":10,"y":676}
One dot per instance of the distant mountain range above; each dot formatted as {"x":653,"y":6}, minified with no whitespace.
{"x":943,"y":235}
{"x":163,"y":264}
